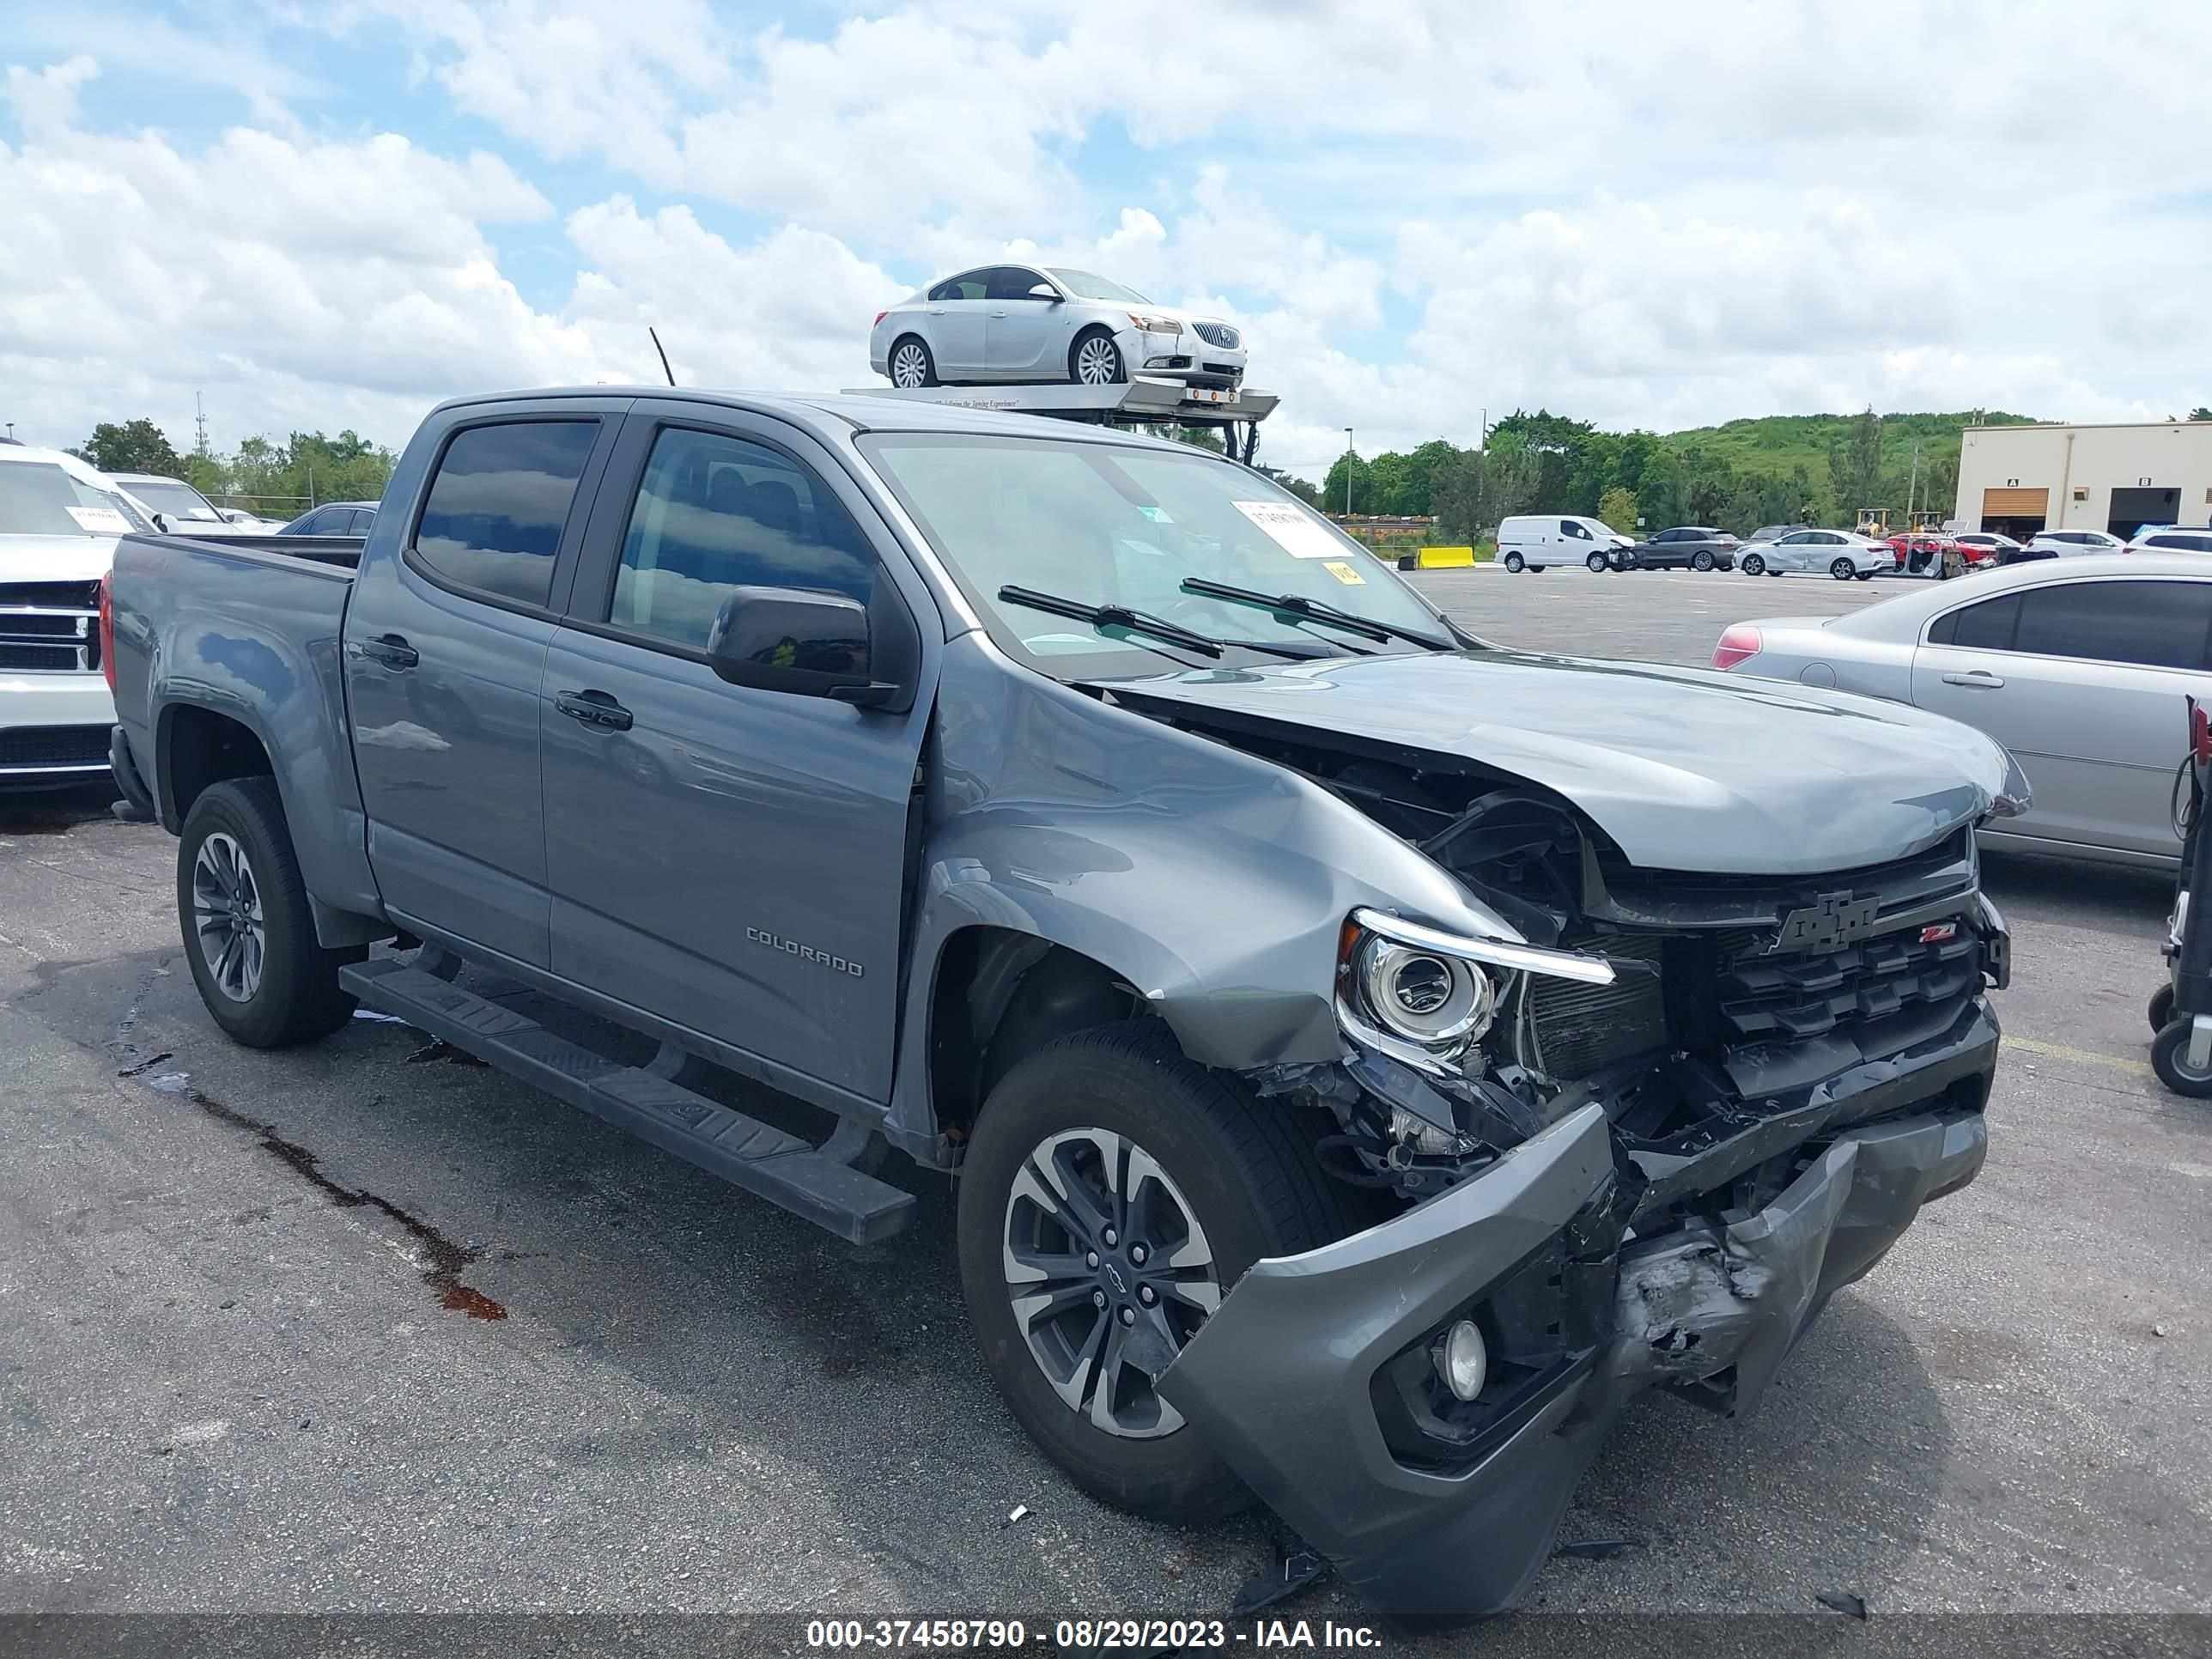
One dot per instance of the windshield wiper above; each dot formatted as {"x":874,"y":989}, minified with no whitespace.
{"x":1295,"y":605}
{"x":1120,"y":615}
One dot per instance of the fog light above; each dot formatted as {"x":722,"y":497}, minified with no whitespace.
{"x":1462,"y":1360}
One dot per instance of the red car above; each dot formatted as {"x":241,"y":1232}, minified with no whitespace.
{"x":1914,"y":550}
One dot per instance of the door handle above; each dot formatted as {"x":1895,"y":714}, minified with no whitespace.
{"x":594,"y":708}
{"x":998,"y":314}
{"x":390,"y":649}
{"x":1976,"y":678}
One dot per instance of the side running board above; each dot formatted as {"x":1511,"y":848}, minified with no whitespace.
{"x":743,"y":1150}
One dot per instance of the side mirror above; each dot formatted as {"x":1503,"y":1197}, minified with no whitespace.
{"x":801,"y":642}
{"x":1046,"y":292}
{"x":161,"y":522}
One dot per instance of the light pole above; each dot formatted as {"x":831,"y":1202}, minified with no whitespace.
{"x":1348,"y":459}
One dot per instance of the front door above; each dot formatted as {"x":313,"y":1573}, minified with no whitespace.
{"x":1023,"y":338}
{"x":729,"y":859}
{"x":445,"y":646}
{"x":957,"y":312}
{"x":2084,"y":682}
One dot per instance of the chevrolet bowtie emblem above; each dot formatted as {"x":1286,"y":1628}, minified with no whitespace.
{"x":1828,"y":925}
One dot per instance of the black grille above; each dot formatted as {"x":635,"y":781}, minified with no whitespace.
{"x":1218,"y":369}
{"x":1216,"y":334}
{"x":50,"y":596}
{"x":53,"y":745}
{"x":42,"y":659}
{"x":1785,"y":997}
{"x":17,"y":626}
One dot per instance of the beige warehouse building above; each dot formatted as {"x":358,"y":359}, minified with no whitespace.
{"x":2021,"y":479}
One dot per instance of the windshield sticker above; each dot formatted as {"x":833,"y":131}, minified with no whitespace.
{"x":100,"y":520}
{"x":1157,"y":514}
{"x":1291,"y":530}
{"x":1344,"y":573}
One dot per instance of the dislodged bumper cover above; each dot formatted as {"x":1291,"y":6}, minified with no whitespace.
{"x":1277,"y":1382}
{"x":1279,"y":1379}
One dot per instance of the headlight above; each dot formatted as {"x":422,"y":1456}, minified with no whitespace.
{"x":1423,"y":996}
{"x":1155,"y":325}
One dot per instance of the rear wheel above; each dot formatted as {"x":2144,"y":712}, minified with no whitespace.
{"x":1842,"y":571}
{"x":1514,"y":564}
{"x":1753,"y":564}
{"x":911,"y":365}
{"x":1113,"y":1193}
{"x":1864,"y":575}
{"x":2162,"y":1009}
{"x":1095,"y":360}
{"x":1701,"y":560}
{"x":2169,"y":1058}
{"x":249,"y":935}
{"x":1596,"y":563}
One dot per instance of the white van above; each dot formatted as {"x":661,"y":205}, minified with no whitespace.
{"x":1530,"y":541}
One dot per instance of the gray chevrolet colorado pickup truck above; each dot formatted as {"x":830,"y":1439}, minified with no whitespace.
{"x":1370,"y":1057}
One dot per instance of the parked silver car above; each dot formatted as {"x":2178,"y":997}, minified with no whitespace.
{"x":2079,"y":666}
{"x":1838,"y":552}
{"x":1030,"y":322}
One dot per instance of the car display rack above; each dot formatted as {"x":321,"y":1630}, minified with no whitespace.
{"x":1142,"y":400}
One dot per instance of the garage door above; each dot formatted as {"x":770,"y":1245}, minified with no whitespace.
{"x":2016,"y":503}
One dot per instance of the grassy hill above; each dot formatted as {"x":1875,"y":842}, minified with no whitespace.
{"x":1772,"y":444}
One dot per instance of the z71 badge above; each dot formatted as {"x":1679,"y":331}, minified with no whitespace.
{"x":1829,"y":925}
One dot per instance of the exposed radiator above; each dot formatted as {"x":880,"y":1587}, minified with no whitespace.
{"x":1580,"y":1028}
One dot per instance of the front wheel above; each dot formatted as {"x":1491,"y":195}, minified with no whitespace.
{"x":1701,"y":561}
{"x":1113,"y":1193}
{"x":1095,"y":360}
{"x":1842,"y":570}
{"x":1864,"y":575}
{"x":1753,"y":564}
{"x":1514,"y":564}
{"x":249,"y":935}
{"x":2169,"y":1058}
{"x":1596,"y":563}
{"x":2162,"y":1009}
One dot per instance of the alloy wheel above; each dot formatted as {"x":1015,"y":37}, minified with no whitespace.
{"x":226,"y":919}
{"x":909,"y":367}
{"x":1098,"y":361}
{"x":1109,"y":1274}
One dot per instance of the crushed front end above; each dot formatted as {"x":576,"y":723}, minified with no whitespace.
{"x":1641,"y":1147}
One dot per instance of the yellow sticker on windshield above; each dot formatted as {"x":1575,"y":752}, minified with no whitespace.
{"x":1344,"y":573}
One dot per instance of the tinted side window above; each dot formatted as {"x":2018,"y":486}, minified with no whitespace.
{"x":499,"y":502}
{"x":714,"y":513}
{"x":1569,"y":527}
{"x":1012,"y":283}
{"x":2154,"y":624}
{"x":971,"y":287}
{"x":1986,"y":627}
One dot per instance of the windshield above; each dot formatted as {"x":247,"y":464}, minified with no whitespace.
{"x":1119,"y":524}
{"x":38,"y":498}
{"x":1088,"y":285}
{"x":173,"y":497}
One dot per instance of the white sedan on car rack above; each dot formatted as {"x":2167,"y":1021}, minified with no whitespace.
{"x":1030,"y":322}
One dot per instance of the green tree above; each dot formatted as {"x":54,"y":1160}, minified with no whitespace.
{"x":1423,"y":468}
{"x":1616,"y":507}
{"x":1854,"y":476}
{"x":2200,"y":413}
{"x":135,"y":447}
{"x":1362,"y":496}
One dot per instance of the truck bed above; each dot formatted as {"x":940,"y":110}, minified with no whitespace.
{"x":340,"y":552}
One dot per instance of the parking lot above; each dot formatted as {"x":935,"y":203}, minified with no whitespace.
{"x":367,"y":1325}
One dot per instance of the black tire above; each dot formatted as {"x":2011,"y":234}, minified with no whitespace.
{"x":2162,"y":1009}
{"x":1701,"y":560}
{"x":1514,"y":564}
{"x":2169,"y":1059}
{"x":1773,"y":573}
{"x":1114,"y":370}
{"x":1863,"y":575}
{"x":295,"y":997}
{"x":1597,"y":564}
{"x":1841,"y":570}
{"x":1253,"y":1185}
{"x":912,"y":343}
{"x":1754,"y":564}
{"x":1538,"y":568}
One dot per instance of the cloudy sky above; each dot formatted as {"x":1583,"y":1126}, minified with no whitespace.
{"x":324,"y":213}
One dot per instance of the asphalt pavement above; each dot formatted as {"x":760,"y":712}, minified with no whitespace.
{"x":368,"y":1327}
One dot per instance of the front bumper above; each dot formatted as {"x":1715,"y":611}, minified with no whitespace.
{"x":78,"y":704}
{"x":1282,"y":1380}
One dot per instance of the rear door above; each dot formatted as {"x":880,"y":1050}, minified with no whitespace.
{"x":1025,"y":338}
{"x":728,"y":858}
{"x":445,"y":646}
{"x":2084,"y":682}
{"x":958,"y":310}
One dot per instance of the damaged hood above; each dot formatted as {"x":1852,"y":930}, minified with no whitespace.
{"x":1683,"y":768}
